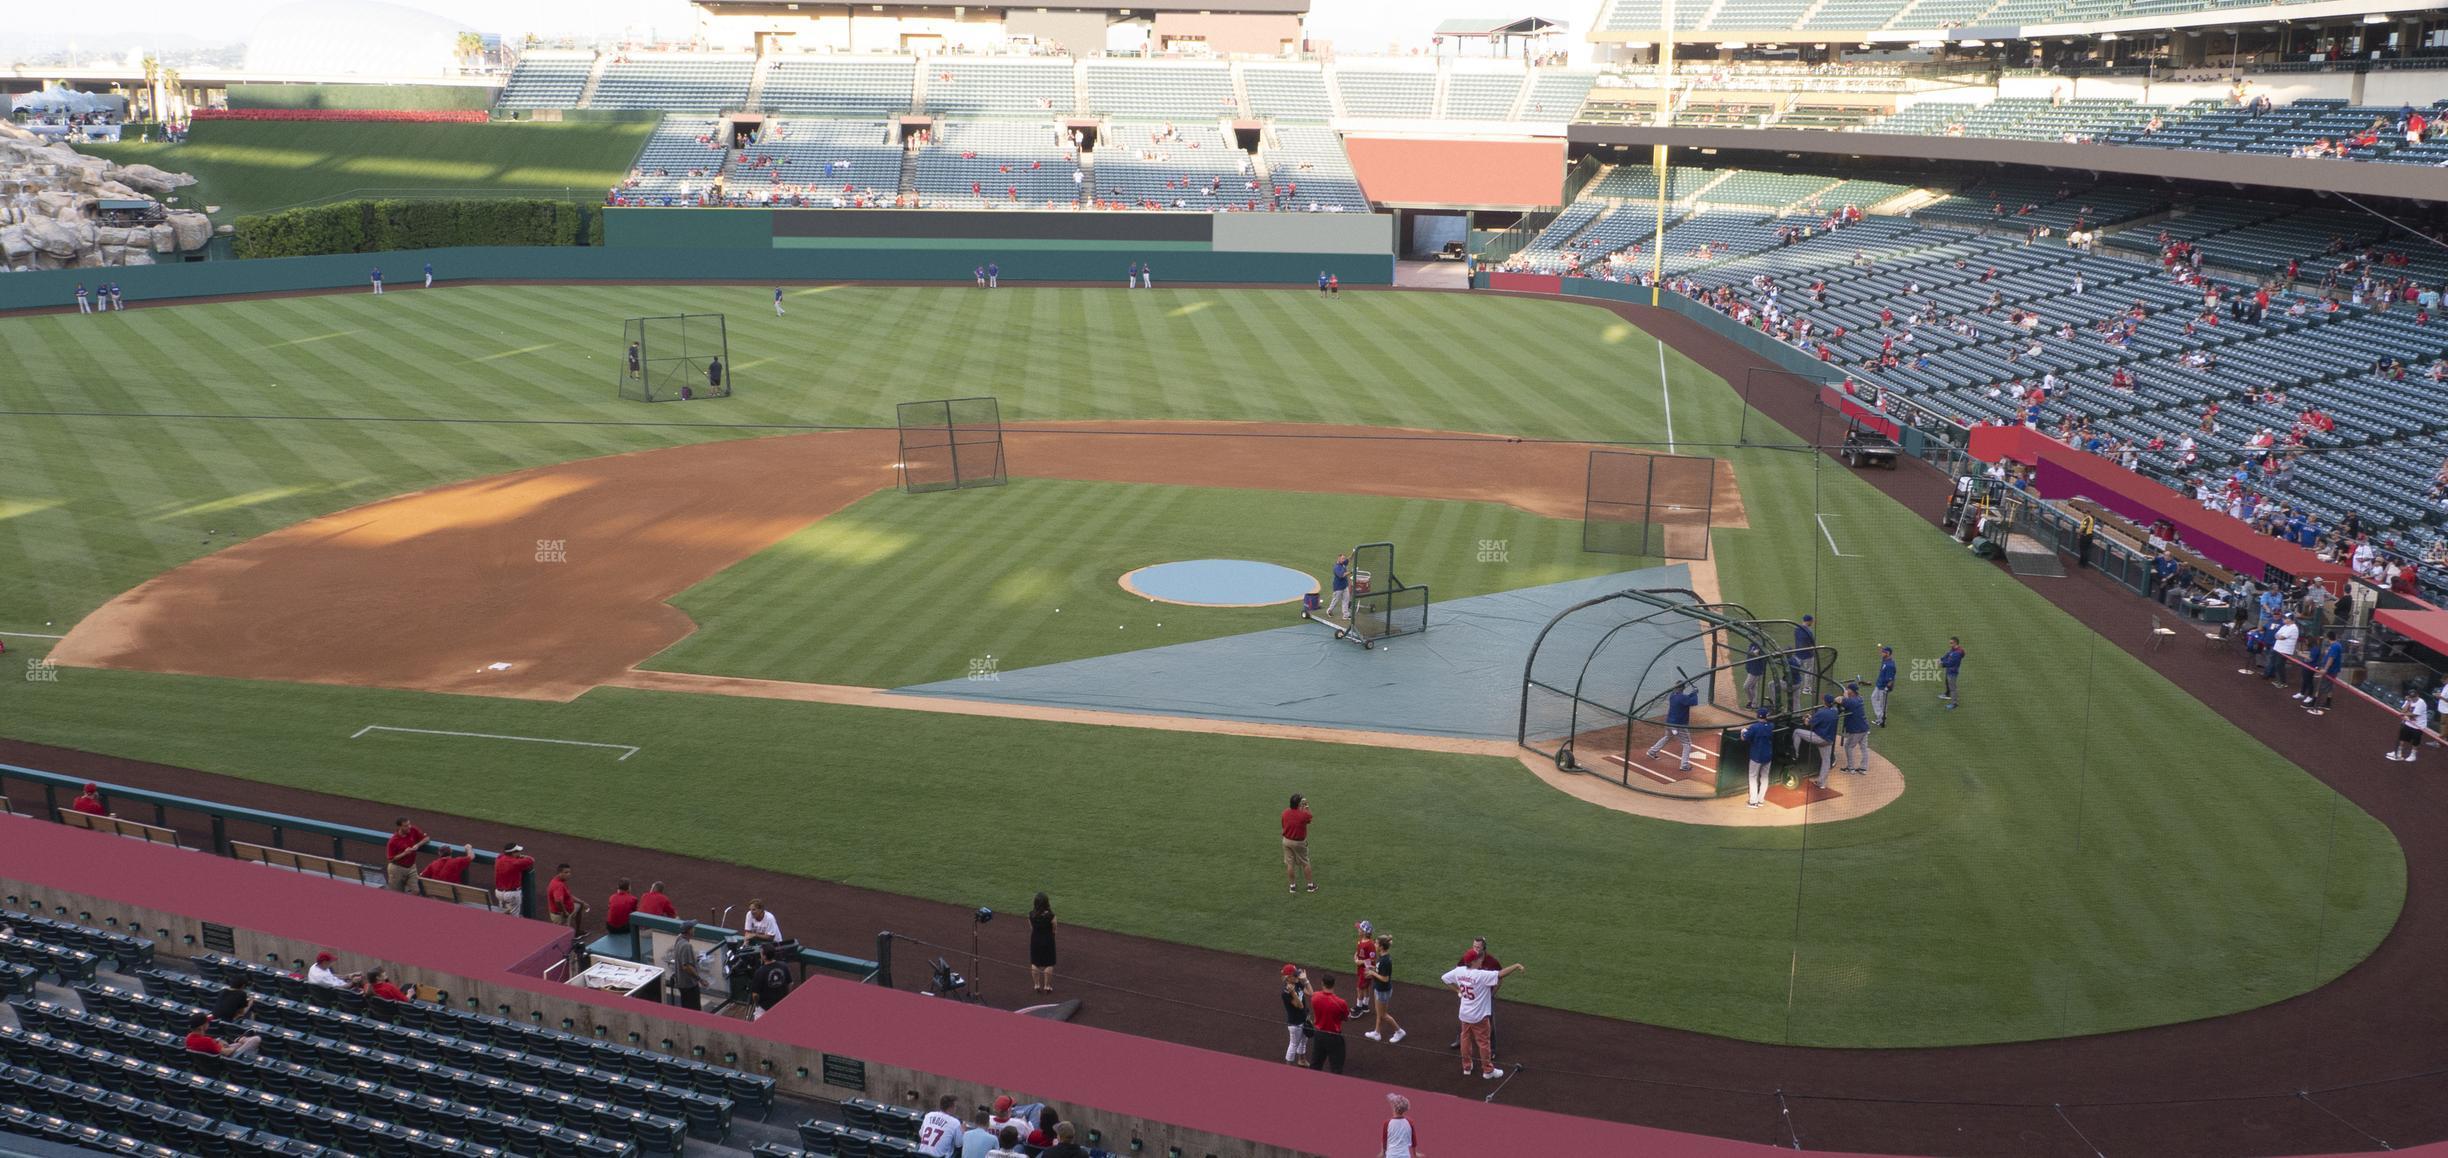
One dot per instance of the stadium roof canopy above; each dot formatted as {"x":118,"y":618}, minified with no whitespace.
{"x":1136,"y":8}
{"x":1497,"y":26}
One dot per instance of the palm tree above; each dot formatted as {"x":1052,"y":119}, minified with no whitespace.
{"x":171,"y":95}
{"x":152,"y":87}
{"x":470,"y":46}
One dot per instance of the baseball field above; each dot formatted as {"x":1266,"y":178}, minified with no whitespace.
{"x":266,"y":526}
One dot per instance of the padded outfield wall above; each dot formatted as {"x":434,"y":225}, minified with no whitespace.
{"x":1032,"y":247}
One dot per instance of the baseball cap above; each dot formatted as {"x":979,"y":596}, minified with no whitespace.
{"x":1364,"y":926}
{"x":324,"y":958}
{"x":1003,"y":1105}
{"x":1289,"y":970}
{"x":1806,"y":619}
{"x":1763,"y":713}
{"x":90,"y":786}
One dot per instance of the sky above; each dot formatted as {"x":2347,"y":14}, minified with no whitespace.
{"x":1353,"y":25}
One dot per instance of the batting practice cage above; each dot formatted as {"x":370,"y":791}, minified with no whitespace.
{"x":675,"y":358}
{"x":1382,"y":605}
{"x":950,"y":444}
{"x":1594,"y":690}
{"x":1657,"y":505}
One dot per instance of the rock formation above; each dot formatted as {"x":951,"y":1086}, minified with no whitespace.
{"x":47,"y":208}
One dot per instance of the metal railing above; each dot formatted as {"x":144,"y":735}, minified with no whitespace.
{"x":56,"y":791}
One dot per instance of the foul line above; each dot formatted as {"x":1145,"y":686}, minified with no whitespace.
{"x":1831,"y":538}
{"x":627,"y":750}
{"x":30,"y":635}
{"x":1666,"y":393}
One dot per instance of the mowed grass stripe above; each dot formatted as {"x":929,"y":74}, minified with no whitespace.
{"x":928,"y":607}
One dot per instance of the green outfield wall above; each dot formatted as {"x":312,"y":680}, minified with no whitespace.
{"x":362,"y":96}
{"x":812,"y":245}
{"x":56,"y":289}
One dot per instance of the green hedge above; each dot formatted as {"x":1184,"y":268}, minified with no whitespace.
{"x":359,"y":96}
{"x":379,"y":226}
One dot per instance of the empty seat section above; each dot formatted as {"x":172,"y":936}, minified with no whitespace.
{"x":546,"y":80}
{"x":1287,"y":92}
{"x":1557,"y":94}
{"x":1007,"y":86}
{"x":1160,"y":90}
{"x":1381,"y":92}
{"x":675,"y":83}
{"x":1481,"y":96}
{"x":838,"y":86}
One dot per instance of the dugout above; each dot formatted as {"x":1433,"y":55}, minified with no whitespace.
{"x":1595,"y":685}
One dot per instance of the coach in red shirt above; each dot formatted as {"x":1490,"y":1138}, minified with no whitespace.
{"x":400,"y":854}
{"x":91,"y":802}
{"x":451,"y":867}
{"x":510,"y":880}
{"x":617,"y":909}
{"x":1327,"y":1010}
{"x":655,"y":904}
{"x":559,"y":903}
{"x":1296,"y":845}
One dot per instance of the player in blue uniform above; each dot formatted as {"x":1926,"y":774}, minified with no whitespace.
{"x":1820,"y":734}
{"x":1340,"y":602}
{"x":1854,"y":742}
{"x":85,"y":306}
{"x":1679,"y":705}
{"x":777,"y":301}
{"x":429,"y":275}
{"x":1760,"y":735}
{"x":1952,"y":664}
{"x":994,"y":275}
{"x":376,"y":277}
{"x":1884,"y":684}
{"x":2321,"y":676}
{"x":1755,"y":669}
{"x":1806,"y":642}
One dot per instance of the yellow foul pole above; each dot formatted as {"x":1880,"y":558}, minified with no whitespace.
{"x":1657,"y":153}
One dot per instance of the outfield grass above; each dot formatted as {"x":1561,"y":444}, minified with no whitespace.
{"x":1028,"y":574}
{"x":256,"y":166}
{"x":2081,"y":848}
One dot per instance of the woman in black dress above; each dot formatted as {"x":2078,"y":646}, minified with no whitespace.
{"x":1041,"y":945}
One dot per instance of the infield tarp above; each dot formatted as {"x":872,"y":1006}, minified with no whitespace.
{"x":1461,"y":677}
